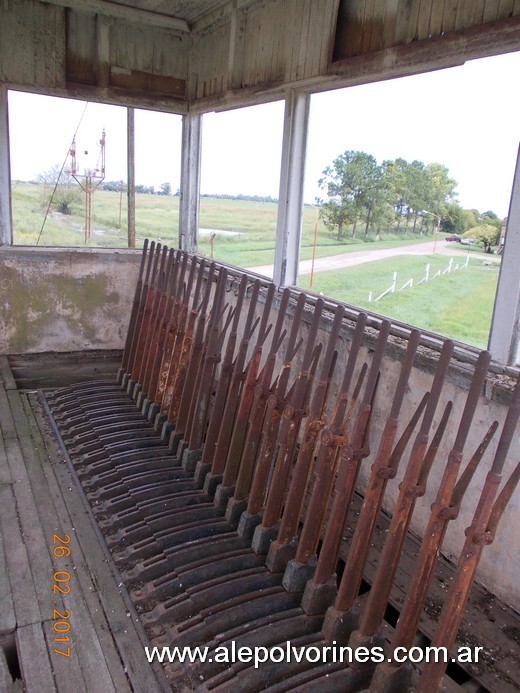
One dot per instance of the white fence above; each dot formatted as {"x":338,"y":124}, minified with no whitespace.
{"x":410,"y":283}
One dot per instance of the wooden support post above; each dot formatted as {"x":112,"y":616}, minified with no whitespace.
{"x":504,"y":338}
{"x":6,"y":220}
{"x":190,"y":182}
{"x":290,"y":205}
{"x":131,"y":176}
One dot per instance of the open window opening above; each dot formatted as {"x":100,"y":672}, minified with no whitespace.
{"x":408,"y":185}
{"x":241,"y":151}
{"x":69,"y":172}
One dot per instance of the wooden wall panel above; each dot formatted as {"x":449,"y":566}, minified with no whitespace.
{"x":81,"y":47}
{"x":33,"y":37}
{"x":365,"y":26}
{"x":210,"y":62}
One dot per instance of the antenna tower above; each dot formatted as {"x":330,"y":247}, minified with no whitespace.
{"x":89,"y":181}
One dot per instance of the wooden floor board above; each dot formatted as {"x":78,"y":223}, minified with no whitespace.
{"x":33,"y":656}
{"x":123,"y":629}
{"x":67,"y":669}
{"x":38,"y":499}
{"x":18,"y":569}
{"x":7,"y":428}
{"x":7,"y":616}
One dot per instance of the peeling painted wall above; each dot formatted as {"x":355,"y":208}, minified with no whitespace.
{"x":65,"y":299}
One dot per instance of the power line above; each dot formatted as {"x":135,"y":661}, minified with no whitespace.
{"x":59,"y":175}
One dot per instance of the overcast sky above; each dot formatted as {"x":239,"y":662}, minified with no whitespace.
{"x":466,"y":118}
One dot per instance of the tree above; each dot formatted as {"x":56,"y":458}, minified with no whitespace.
{"x":453,"y":219}
{"x":486,"y":234}
{"x":59,"y":189}
{"x":351,"y":185}
{"x":165,"y":189}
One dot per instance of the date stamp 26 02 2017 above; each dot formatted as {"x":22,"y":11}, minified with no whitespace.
{"x":61,"y":585}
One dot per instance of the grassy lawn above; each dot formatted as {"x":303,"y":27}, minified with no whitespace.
{"x":157,"y":216}
{"x":458,"y":304}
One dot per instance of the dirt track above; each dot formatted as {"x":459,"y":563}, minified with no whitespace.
{"x":333,"y":262}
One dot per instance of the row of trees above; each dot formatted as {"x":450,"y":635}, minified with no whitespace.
{"x":120,"y":186}
{"x":395,"y":195}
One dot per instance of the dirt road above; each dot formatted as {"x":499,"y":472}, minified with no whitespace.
{"x":333,"y":262}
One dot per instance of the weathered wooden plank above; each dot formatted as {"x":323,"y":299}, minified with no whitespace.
{"x":449,"y":15}
{"x":350,"y":27}
{"x":252,"y":33}
{"x":6,"y":375}
{"x":67,"y":670}
{"x":367,"y":26}
{"x":7,"y":615}
{"x":7,"y":428}
{"x":329,"y":38}
{"x":318,"y":40}
{"x":423,"y":19}
{"x":390,"y":22}
{"x":236,"y":49}
{"x":5,"y":472}
{"x":34,"y":661}
{"x":122,"y":640}
{"x":6,"y":682}
{"x":292,"y":49}
{"x":406,"y":18}
{"x":469,"y":13}
{"x":491,"y":9}
{"x":436,"y":18}
{"x":98,"y":657}
{"x":81,"y":47}
{"x":378,"y":25}
{"x":506,"y":9}
{"x":18,"y":569}
{"x":36,"y":543}
{"x":304,"y":45}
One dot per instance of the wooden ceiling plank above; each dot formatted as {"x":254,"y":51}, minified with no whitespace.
{"x":450,"y":15}
{"x":436,"y":16}
{"x":124,"y":12}
{"x":491,"y":8}
{"x":424,"y":19}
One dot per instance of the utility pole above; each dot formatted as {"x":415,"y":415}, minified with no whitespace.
{"x":89,"y":181}
{"x":131,"y":175}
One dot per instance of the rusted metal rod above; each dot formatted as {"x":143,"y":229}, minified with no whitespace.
{"x":481,"y":532}
{"x":290,"y":422}
{"x":135,"y":308}
{"x":251,"y":418}
{"x":313,"y":425}
{"x":154,"y":341}
{"x":353,"y":446}
{"x":338,"y":620}
{"x":137,"y":335}
{"x":149,"y":326}
{"x":252,"y":378}
{"x":267,"y":426}
{"x":176,"y":400}
{"x":444,"y":510}
{"x":178,"y":410}
{"x":219,"y":412}
{"x":148,"y":307}
{"x":200,"y":401}
{"x":166,"y":364}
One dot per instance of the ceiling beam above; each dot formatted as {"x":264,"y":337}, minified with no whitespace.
{"x":130,"y":14}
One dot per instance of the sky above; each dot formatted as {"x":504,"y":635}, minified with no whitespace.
{"x":466,"y":118}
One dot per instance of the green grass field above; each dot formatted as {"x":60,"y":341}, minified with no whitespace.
{"x":157,"y":216}
{"x":458,"y":305}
